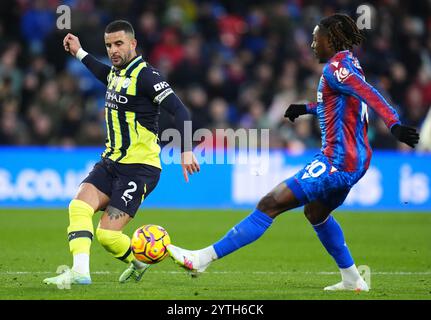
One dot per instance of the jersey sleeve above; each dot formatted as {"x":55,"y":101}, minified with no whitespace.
{"x":175,"y":107}
{"x":160,"y":92}
{"x":154,"y":85}
{"x":99,"y":69}
{"x":311,"y":107}
{"x":345,"y":79}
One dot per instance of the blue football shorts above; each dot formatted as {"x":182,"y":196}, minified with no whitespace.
{"x":321,"y":181}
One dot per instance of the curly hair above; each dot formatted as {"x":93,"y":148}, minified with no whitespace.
{"x":342,"y":32}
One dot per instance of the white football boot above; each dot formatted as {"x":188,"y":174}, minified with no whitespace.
{"x":67,"y":278}
{"x":351,"y":280}
{"x":189,"y":260}
{"x":359,"y":285}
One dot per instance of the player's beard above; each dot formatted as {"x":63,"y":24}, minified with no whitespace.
{"x":117,"y":62}
{"x":120,"y":61}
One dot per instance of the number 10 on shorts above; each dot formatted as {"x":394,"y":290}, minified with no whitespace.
{"x":314,"y":169}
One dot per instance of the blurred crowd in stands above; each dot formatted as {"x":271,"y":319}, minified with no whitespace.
{"x":234,"y":64}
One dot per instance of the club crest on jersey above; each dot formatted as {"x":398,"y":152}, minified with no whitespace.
{"x":341,"y":74}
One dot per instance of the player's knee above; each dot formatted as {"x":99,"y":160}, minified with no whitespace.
{"x":268,"y":204}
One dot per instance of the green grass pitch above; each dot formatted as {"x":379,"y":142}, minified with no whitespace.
{"x":288,"y":262}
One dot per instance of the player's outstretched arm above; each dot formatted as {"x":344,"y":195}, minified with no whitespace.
{"x":73,"y":46}
{"x":349,"y":82}
{"x":159,"y":91}
{"x":346,"y":80}
{"x":174,"y":106}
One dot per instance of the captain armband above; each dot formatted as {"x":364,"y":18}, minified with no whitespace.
{"x":160,"y":97}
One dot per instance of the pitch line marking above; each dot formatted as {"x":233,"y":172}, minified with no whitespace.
{"x":390,"y":273}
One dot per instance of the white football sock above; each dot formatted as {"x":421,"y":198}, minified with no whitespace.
{"x":350,"y":274}
{"x":81,"y":263}
{"x":207,"y":255}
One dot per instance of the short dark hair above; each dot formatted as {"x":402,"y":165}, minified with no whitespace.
{"x":342,"y":31}
{"x":120,"y":25}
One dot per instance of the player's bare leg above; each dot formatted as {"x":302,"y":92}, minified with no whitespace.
{"x":279,"y":200}
{"x":110,"y":235}
{"x":331,"y":236}
{"x":81,"y":209}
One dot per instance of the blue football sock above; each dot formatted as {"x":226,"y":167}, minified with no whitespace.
{"x":245,"y":232}
{"x":332,"y":238}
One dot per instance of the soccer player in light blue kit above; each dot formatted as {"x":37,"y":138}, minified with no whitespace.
{"x":342,"y":99}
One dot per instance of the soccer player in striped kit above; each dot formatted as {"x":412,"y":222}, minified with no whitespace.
{"x":343,"y":97}
{"x":130,"y":166}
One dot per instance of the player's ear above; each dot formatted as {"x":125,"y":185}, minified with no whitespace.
{"x":134,"y":43}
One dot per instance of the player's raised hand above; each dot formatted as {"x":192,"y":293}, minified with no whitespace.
{"x":189,"y":164}
{"x":71,"y":44}
{"x":405,"y":134}
{"x":294,"y":111}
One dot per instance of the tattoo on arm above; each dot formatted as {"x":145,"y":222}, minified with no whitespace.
{"x":114,"y":213}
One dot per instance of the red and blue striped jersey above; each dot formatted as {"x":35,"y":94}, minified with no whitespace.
{"x":342,"y":99}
